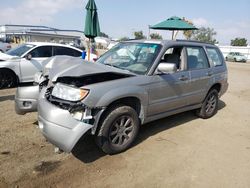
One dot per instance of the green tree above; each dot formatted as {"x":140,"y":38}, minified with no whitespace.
{"x":123,"y":39}
{"x":139,"y":35}
{"x":155,"y":36}
{"x":239,"y":42}
{"x":188,"y":33}
{"x":205,"y":35}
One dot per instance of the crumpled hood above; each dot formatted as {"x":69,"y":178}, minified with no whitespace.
{"x":5,"y":57}
{"x":59,"y":63}
{"x":79,"y":67}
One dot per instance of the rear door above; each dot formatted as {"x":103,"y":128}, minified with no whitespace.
{"x":28,"y":68}
{"x":200,"y":74}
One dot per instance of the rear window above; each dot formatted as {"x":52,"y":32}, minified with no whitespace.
{"x":214,"y":56}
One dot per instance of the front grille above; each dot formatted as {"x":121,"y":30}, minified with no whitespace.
{"x":43,"y":84}
{"x":48,"y":92}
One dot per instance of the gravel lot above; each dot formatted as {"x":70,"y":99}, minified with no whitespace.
{"x":178,"y":151}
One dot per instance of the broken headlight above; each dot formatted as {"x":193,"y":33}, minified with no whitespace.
{"x":69,"y":93}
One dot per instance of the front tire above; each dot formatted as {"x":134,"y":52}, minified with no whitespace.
{"x":118,"y":129}
{"x":209,"y":106}
{"x":7,"y":79}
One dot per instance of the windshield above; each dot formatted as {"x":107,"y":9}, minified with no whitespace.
{"x":134,"y":57}
{"x":20,"y":50}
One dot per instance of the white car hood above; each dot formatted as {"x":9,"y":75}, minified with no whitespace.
{"x":5,"y":57}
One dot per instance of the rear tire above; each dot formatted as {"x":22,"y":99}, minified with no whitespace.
{"x":209,"y":106}
{"x":7,"y":79}
{"x":235,"y":60}
{"x":118,"y":129}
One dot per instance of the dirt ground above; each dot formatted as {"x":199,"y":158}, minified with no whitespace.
{"x":178,"y":151}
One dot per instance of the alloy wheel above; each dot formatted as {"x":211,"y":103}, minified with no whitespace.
{"x":120,"y":131}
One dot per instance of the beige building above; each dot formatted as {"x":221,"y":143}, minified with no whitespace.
{"x":30,"y":33}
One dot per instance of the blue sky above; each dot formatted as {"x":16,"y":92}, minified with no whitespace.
{"x":119,"y":18}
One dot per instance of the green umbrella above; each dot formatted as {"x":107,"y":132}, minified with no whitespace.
{"x":173,"y":23}
{"x":92,"y":28}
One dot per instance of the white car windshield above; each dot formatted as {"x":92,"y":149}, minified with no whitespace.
{"x":132,"y":56}
{"x":20,"y":50}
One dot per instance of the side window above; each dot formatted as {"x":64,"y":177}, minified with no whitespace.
{"x":58,"y":50}
{"x":196,"y":58}
{"x":42,"y":51}
{"x":173,"y":55}
{"x":214,"y":56}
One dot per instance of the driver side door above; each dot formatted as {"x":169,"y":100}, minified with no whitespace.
{"x":28,"y":68}
{"x":169,"y":92}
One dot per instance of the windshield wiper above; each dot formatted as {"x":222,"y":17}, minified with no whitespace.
{"x":111,"y":65}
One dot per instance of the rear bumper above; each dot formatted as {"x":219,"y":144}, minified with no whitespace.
{"x":58,"y":126}
{"x":26,"y":99}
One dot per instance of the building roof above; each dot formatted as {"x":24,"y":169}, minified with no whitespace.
{"x":40,"y":30}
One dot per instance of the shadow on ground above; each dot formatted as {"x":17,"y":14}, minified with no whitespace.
{"x":87,"y":151}
{"x":7,"y":97}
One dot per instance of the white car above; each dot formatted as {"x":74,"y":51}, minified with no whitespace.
{"x":4,"y":47}
{"x":20,"y":64}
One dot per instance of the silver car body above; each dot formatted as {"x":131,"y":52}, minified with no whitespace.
{"x":25,"y":69}
{"x":157,"y":95}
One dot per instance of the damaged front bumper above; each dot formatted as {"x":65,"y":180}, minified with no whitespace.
{"x":60,"y":127}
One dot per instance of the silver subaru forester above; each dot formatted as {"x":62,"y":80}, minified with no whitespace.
{"x":134,"y":83}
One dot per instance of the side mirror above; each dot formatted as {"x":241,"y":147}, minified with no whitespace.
{"x":166,"y":68}
{"x":28,"y":57}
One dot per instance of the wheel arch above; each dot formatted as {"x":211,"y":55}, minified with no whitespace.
{"x":132,"y":101}
{"x":216,"y":86}
{"x":12,"y":72}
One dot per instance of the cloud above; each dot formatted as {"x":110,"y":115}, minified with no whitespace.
{"x":35,"y":11}
{"x":228,"y":31}
{"x":200,"y":22}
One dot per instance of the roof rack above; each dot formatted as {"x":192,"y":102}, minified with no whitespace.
{"x":182,"y":40}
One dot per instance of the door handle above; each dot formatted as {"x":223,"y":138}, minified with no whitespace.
{"x":183,"y":78}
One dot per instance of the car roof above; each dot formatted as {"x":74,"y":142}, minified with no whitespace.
{"x":174,"y":42}
{"x":52,"y":44}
